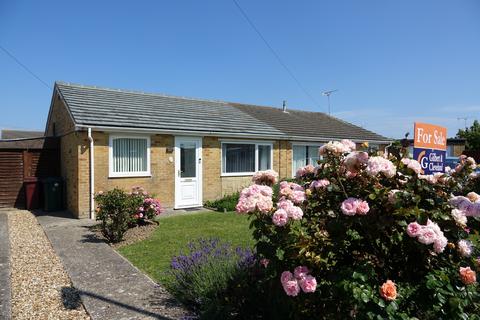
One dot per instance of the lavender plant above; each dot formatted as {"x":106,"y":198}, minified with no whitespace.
{"x":201,"y":276}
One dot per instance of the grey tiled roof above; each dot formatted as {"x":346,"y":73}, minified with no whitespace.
{"x":100,"y":107}
{"x":20,"y":134}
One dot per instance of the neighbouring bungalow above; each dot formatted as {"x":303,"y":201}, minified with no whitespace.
{"x":183,"y":150}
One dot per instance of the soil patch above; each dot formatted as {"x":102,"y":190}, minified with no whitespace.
{"x":132,"y":235}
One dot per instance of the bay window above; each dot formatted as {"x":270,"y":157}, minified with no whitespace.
{"x":245,"y":158}
{"x":129,"y":156}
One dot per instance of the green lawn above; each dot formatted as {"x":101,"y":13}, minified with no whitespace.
{"x":153,"y":255}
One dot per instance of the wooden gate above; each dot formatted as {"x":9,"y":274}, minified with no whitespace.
{"x":11,"y":179}
{"x":18,"y":162}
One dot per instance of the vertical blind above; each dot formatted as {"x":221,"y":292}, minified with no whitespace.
{"x":303,"y":155}
{"x":264,"y":157}
{"x":238,"y":157}
{"x":129,"y":155}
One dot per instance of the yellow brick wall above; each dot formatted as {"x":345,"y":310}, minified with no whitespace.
{"x":60,"y":119}
{"x":69,"y":150}
{"x":212,"y":185}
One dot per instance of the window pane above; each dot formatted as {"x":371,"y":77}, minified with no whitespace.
{"x":238,"y":157}
{"x":264,"y":157}
{"x":450,"y":151}
{"x":312,"y":155}
{"x":188,"y":163}
{"x":129,"y":155}
{"x":299,"y":157}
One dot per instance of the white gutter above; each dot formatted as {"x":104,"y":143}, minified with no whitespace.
{"x":221,"y":134}
{"x":92,"y":175}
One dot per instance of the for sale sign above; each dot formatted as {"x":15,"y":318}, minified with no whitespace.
{"x":430,"y":147}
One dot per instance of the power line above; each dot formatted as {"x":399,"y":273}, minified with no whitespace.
{"x":275,"y":53}
{"x":25,"y":67}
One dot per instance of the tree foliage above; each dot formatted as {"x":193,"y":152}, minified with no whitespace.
{"x":471,"y":135}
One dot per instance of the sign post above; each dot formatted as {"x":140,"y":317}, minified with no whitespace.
{"x":430,"y":147}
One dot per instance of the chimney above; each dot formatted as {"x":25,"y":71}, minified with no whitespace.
{"x":284,"y":107}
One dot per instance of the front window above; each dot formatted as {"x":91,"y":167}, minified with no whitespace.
{"x":129,"y":156}
{"x":245,"y":158}
{"x":304,"y":155}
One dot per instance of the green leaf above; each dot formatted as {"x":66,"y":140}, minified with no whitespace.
{"x":364,"y":297}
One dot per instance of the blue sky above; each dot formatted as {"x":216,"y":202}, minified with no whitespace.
{"x":393,"y":62}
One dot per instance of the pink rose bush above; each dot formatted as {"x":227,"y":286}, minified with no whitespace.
{"x":367,"y":233}
{"x":119,"y":210}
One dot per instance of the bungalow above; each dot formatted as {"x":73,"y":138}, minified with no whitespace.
{"x":183,"y":150}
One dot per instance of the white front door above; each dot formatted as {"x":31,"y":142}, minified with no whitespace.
{"x":188,"y":172}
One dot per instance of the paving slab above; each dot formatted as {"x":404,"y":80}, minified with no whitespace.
{"x":5,"y":294}
{"x":110,"y":287}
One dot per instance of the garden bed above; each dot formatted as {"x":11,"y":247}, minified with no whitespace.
{"x":133,"y":235}
{"x":153,"y":255}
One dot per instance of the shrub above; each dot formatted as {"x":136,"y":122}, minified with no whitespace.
{"x":119,"y":210}
{"x":114,"y":211}
{"x":227,"y":203}
{"x":370,"y":237}
{"x":209,"y":276}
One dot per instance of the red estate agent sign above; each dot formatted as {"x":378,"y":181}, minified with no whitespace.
{"x":429,"y":147}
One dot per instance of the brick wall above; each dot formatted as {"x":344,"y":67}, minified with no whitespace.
{"x":62,"y":125}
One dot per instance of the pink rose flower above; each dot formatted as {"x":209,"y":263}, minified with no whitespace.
{"x":300,"y":272}
{"x":267,"y":177}
{"x":284,"y":204}
{"x":286,"y":276}
{"x":440,"y":244}
{"x":308,"y":284}
{"x":412,"y":164}
{"x":413,"y":229}
{"x":427,"y":236}
{"x":362,"y":207}
{"x":295,"y":213}
{"x":319,"y":184}
{"x":291,"y":288}
{"x":280,"y":218}
{"x":349,"y":206}
{"x":349,"y":144}
{"x":465,"y":248}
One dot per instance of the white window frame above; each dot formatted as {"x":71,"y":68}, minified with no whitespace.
{"x":304,"y":144}
{"x":112,"y":174}
{"x":256,"y":143}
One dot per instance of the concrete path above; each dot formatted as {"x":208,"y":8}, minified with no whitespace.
{"x":5,"y":294}
{"x":109,"y":286}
